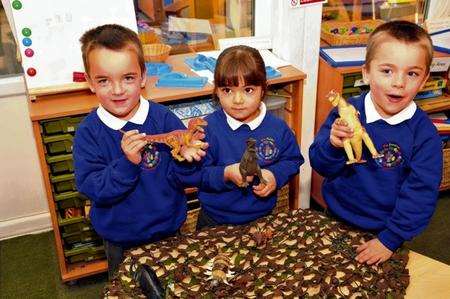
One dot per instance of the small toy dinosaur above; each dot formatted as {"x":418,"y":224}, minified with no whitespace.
{"x":249,"y":163}
{"x":176,"y":139}
{"x":349,"y":113}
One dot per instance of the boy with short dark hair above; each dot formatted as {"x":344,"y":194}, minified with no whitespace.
{"x":393,"y":196}
{"x":135,"y":197}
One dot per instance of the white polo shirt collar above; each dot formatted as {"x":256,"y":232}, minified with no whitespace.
{"x":116,"y":123}
{"x":235,"y":124}
{"x":372,"y":114}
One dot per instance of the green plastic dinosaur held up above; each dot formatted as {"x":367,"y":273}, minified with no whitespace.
{"x":352,"y":146}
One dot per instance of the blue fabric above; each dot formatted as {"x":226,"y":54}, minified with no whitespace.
{"x":277,"y":150}
{"x":395,"y":195}
{"x":131,"y":204}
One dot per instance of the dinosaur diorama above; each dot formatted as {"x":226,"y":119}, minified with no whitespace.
{"x":176,"y":139}
{"x":352,"y":146}
{"x":249,"y":163}
{"x":301,"y":254}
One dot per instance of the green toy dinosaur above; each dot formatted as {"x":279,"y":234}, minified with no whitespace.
{"x":350,"y":115}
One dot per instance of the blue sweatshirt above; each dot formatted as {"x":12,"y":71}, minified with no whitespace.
{"x":277,"y":151}
{"x":131,"y":204}
{"x":394,"y":196}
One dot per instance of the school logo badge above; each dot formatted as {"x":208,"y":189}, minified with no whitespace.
{"x":267,"y":149}
{"x":392,"y":156}
{"x":150,"y":156}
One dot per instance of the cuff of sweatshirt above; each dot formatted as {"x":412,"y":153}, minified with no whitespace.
{"x":331,"y":151}
{"x":390,"y":239}
{"x":127,"y":169}
{"x":216,"y":178}
{"x":280,"y":178}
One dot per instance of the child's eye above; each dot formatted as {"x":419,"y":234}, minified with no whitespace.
{"x":226,"y":90}
{"x":386,"y":71}
{"x":413,"y":74}
{"x":129,"y":78}
{"x":249,"y":89}
{"x":102,"y":81}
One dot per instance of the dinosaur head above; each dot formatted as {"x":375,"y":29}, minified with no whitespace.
{"x":333,"y":97}
{"x":251,"y":143}
{"x":197,"y":123}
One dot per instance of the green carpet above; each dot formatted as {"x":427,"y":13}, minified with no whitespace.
{"x":29,"y":268}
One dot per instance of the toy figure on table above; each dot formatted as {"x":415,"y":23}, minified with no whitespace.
{"x":350,"y":116}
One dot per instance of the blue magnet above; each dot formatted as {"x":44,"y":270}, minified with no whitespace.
{"x":26,"y":42}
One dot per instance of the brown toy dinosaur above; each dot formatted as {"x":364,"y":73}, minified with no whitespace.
{"x":176,"y":139}
{"x":249,"y":163}
{"x":349,"y":113}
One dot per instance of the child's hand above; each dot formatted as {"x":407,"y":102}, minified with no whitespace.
{"x":373,"y":252}
{"x":233,"y":174}
{"x":264,"y":190}
{"x":132,"y":145}
{"x":194,"y":151}
{"x":339,"y":131}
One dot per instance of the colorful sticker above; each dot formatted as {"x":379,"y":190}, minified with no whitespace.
{"x":267,"y":149}
{"x":150,"y":156}
{"x":392,"y":156}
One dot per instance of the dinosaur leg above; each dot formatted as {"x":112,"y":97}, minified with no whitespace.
{"x":357,"y":148}
{"x":176,"y":152}
{"x":244,"y":183}
{"x":349,"y":151}
{"x":261,"y":179}
{"x":371,"y":146}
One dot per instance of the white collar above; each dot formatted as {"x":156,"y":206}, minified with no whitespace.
{"x":116,"y":123}
{"x":235,"y":124}
{"x":372,"y":114}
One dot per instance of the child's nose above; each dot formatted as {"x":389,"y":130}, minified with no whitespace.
{"x":398,"y":81}
{"x":117,"y":88}
{"x":238,"y":98}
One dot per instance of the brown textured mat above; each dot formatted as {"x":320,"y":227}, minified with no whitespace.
{"x":301,"y":253}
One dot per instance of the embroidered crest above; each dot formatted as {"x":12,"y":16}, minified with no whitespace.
{"x":392,"y":156}
{"x":267,"y":149}
{"x":150,"y":156}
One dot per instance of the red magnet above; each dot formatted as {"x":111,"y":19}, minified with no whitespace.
{"x":78,"y":77}
{"x":29,"y":52}
{"x":31,"y":72}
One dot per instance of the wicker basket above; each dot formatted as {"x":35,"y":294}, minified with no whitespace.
{"x":149,"y":37}
{"x":338,"y":33}
{"x":156,"y":52}
{"x":445,"y":183}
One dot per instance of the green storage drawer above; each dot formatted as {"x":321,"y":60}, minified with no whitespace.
{"x":80,"y":237}
{"x":349,"y":79}
{"x":58,"y":144}
{"x":84,"y":253}
{"x":63,"y":183}
{"x":60,"y":164}
{"x":71,"y":199}
{"x":61,"y":125}
{"x":74,"y":225}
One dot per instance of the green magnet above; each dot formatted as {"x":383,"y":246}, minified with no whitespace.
{"x":17,"y":4}
{"x":26,"y":31}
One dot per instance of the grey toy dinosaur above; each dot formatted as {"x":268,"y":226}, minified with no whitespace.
{"x":249,"y":164}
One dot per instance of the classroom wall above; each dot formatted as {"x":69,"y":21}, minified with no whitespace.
{"x":23,"y":204}
{"x":296,"y":38}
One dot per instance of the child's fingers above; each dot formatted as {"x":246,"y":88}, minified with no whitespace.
{"x":374,"y":259}
{"x":129,"y":138}
{"x":362,"y":247}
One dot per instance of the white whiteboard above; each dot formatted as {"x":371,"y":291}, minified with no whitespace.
{"x":56,"y":27}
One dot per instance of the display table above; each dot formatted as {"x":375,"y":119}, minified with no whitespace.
{"x":305,"y":253}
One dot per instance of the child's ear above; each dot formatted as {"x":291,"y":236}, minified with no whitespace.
{"x":89,"y":81}
{"x":144,"y":79}
{"x":365,"y":74}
